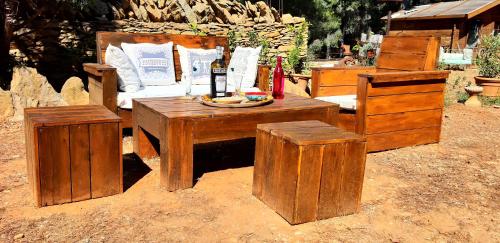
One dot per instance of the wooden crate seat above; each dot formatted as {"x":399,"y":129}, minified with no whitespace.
{"x":308,"y":170}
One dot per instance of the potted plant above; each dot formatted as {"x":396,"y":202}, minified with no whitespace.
{"x":488,"y":62}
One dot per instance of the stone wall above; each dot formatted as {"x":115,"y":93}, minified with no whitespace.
{"x":57,"y":49}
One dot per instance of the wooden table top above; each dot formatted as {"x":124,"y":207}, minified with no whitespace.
{"x":180,"y":107}
{"x":310,"y":132}
{"x":69,"y":115}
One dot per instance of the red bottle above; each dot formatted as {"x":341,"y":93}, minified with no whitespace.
{"x":279,"y":80}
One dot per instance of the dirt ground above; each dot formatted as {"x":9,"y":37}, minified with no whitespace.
{"x":447,"y":192}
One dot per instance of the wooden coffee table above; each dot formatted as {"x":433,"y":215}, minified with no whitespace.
{"x":180,"y":123}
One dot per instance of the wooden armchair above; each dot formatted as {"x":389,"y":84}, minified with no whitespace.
{"x":103,"y":79}
{"x":399,"y":102}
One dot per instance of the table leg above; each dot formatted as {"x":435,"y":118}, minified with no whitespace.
{"x":143,"y":146}
{"x":176,"y":158}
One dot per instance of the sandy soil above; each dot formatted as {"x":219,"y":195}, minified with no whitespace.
{"x":447,"y":192}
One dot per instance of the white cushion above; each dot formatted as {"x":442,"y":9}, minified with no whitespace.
{"x":125,"y":98}
{"x":204,"y":89}
{"x":154,"y":63}
{"x":243,"y":65}
{"x":347,"y":102}
{"x":128,"y":79}
{"x":195,"y":64}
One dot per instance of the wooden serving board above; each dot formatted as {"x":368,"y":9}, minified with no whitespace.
{"x":238,"y":105}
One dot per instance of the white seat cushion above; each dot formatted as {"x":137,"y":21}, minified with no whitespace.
{"x":174,"y":90}
{"x":243,"y":66}
{"x":347,"y":102}
{"x":153,"y":63}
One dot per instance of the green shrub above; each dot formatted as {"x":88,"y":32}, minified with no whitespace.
{"x":315,"y":48}
{"x":488,"y":59}
{"x":489,"y":101}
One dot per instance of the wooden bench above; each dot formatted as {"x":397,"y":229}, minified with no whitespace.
{"x":309,"y":170}
{"x":73,"y":153}
{"x":399,"y":102}
{"x":103,"y":80}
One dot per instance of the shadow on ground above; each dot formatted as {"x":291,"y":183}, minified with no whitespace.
{"x":134,"y":169}
{"x":223,"y":155}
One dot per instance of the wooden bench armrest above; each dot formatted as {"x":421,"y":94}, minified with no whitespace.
{"x":103,"y":85}
{"x":97,"y":69}
{"x":388,"y":77}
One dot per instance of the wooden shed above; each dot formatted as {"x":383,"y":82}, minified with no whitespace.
{"x":460,"y":24}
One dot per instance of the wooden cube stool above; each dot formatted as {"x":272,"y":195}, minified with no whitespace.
{"x":308,"y":170}
{"x":73,"y":153}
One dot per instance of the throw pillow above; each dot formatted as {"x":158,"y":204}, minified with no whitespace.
{"x":243,"y":66}
{"x":128,"y":79}
{"x":154,"y":63}
{"x":195,"y":64}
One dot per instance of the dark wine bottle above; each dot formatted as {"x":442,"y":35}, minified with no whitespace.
{"x":218,"y":77}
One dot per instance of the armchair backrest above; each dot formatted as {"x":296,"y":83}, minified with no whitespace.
{"x":189,"y":41}
{"x":408,"y":53}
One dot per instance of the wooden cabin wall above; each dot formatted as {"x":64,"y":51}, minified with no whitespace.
{"x":453,"y":32}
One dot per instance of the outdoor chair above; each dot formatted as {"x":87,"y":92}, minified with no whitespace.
{"x":103,"y":79}
{"x":396,"y":104}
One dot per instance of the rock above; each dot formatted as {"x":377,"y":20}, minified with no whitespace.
{"x":188,"y":12}
{"x":161,"y":3}
{"x":18,"y":236}
{"x":31,"y":89}
{"x":74,"y":93}
{"x":287,"y":19}
{"x":143,"y":13}
{"x":265,"y":13}
{"x":295,"y":89}
{"x":153,"y":13}
{"x":285,"y":48}
{"x":6,"y":105}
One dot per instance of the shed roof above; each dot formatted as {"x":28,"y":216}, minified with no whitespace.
{"x":458,"y":9}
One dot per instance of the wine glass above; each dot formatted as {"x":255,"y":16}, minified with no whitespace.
{"x":238,"y":79}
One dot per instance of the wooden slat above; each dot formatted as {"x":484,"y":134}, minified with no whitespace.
{"x":341,"y":77}
{"x":337,"y":90}
{"x":410,"y":87}
{"x":352,"y":178}
{"x":244,"y":126}
{"x":399,"y":139}
{"x":388,"y":76}
{"x":403,"y":121}
{"x":401,"y":61}
{"x":126,"y":116}
{"x":308,"y":184}
{"x":423,"y":33}
{"x":405,"y":102}
{"x":347,"y":121}
{"x":287,"y":184}
{"x":407,"y":45}
{"x":261,"y":151}
{"x":336,"y":81}
{"x":105,"y":163}
{"x":331,"y":180}
{"x":80,"y":162}
{"x":55,"y":172}
{"x":273,"y":164}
